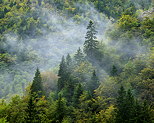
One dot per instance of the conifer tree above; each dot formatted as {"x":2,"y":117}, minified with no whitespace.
{"x":69,"y":89}
{"x":120,"y":112}
{"x":94,"y":83}
{"x":91,"y":44}
{"x":130,"y":111}
{"x":37,"y":87}
{"x":79,"y":56}
{"x":77,"y":93}
{"x":62,"y":74}
{"x":129,"y":106}
{"x":69,"y":65}
{"x":146,"y":114}
{"x":65,"y":80}
{"x":31,"y":111}
{"x":142,"y":113}
{"x":114,"y":71}
{"x":68,"y":60}
{"x":60,"y":111}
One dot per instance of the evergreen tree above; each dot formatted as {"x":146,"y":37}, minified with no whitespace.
{"x":77,"y":93}
{"x":129,"y":106}
{"x":36,"y":111}
{"x":62,"y":74}
{"x":69,"y":65}
{"x":91,"y":44}
{"x":79,"y":56}
{"x":37,"y":87}
{"x":94,"y":83}
{"x":31,"y":111}
{"x":68,"y":60}
{"x":142,"y":113}
{"x":146,"y":114}
{"x":60,"y":111}
{"x":69,"y":89}
{"x":114,"y":71}
{"x":66,"y":81}
{"x":120,"y":112}
{"x":130,"y":111}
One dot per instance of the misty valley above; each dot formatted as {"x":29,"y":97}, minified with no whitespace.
{"x":76,"y":61}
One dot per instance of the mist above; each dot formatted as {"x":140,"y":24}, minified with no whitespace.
{"x":65,"y":36}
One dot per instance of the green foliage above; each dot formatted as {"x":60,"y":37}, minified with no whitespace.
{"x":127,"y":22}
{"x":129,"y":110}
{"x":3,"y":109}
{"x":114,"y":71}
{"x":125,"y":57}
{"x":77,"y":93}
{"x":58,"y":112}
{"x":16,"y":110}
{"x":7,"y":58}
{"x":90,"y":44}
{"x":61,"y":74}
{"x":94,"y":83}
{"x":3,"y":120}
{"x":79,"y":57}
{"x":31,"y":110}
{"x":144,"y":84}
{"x":129,"y":26}
{"x":106,"y":116}
{"x":37,"y":86}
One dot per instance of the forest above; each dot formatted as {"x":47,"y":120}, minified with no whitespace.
{"x":76,"y":61}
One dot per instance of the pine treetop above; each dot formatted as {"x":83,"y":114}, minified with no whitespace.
{"x":37,"y":86}
{"x":90,"y":44}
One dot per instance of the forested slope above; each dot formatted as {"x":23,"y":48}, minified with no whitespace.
{"x":66,"y":61}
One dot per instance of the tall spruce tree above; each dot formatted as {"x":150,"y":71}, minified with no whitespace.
{"x":91,"y":44}
{"x":79,"y":56}
{"x":68,"y":60}
{"x":129,"y":106}
{"x":36,"y":90}
{"x":69,"y":81}
{"x":37,"y":86}
{"x":65,"y":81}
{"x":69,"y":65}
{"x":120,"y":104}
{"x":62,"y":74}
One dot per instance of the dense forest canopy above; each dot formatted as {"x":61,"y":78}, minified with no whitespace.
{"x":76,"y":61}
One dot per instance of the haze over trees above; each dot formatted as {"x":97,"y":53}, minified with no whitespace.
{"x":107,"y":78}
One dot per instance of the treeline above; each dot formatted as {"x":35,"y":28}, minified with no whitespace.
{"x":82,"y":106}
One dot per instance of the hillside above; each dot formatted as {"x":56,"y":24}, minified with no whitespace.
{"x":74,"y":61}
